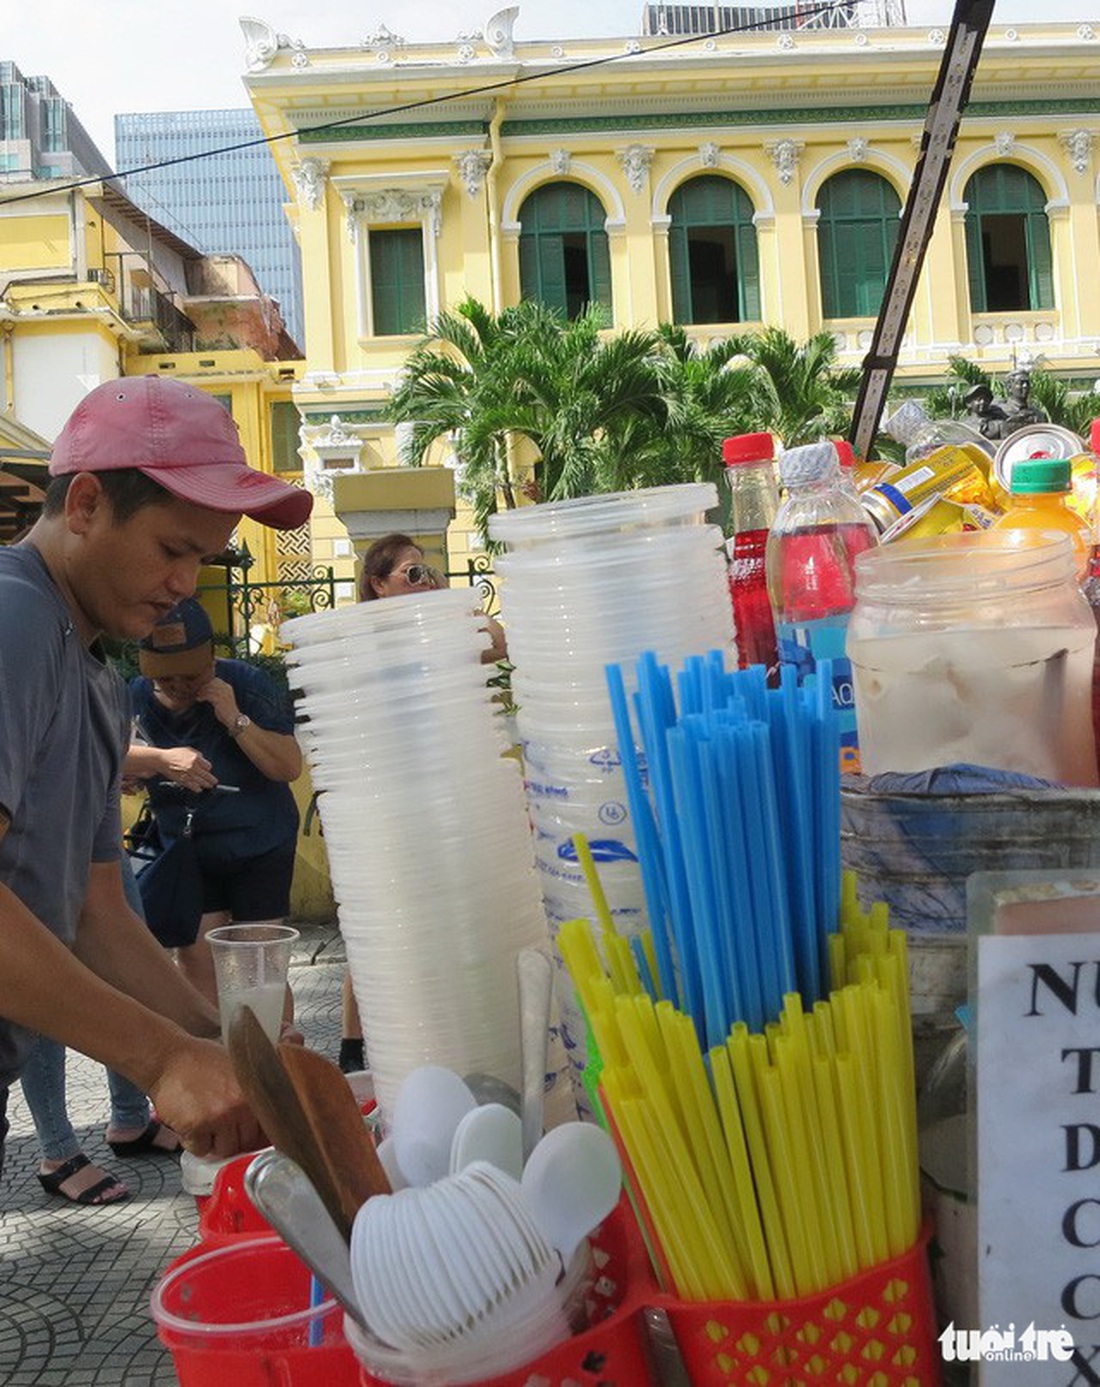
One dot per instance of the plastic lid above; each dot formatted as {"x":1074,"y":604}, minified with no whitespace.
{"x":1031,"y":476}
{"x":813,"y":462}
{"x":907,"y":422}
{"x":748,"y":447}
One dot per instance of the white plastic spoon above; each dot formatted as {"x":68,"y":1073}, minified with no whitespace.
{"x":571,"y":1182}
{"x":430,"y":1104}
{"x":490,"y":1133}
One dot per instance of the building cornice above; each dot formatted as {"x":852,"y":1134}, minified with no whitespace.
{"x":625,"y":123}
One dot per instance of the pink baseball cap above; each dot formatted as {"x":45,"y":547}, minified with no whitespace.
{"x":180,"y":437}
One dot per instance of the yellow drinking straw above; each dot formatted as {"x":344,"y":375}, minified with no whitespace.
{"x":762,"y":1286}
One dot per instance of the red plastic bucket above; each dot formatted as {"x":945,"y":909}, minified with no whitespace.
{"x":239,"y":1315}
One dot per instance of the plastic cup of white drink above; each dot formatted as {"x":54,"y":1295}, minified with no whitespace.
{"x":251,"y":964}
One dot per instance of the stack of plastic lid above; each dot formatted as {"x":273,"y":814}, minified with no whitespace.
{"x":587,"y":583}
{"x":426,"y":831}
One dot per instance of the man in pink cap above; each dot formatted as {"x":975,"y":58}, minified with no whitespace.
{"x":148,"y":480}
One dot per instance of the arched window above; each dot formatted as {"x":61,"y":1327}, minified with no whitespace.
{"x":856,"y":233}
{"x":712,"y":253}
{"x":1007,"y":241}
{"x":564,"y":260}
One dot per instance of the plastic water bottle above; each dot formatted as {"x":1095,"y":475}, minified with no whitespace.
{"x":754,"y":502}
{"x":810,"y":562}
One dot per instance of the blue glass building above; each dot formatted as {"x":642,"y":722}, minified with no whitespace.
{"x":220,"y":203}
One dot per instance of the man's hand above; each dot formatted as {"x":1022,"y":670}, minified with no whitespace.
{"x":185,"y":766}
{"x":199,"y":1097}
{"x":221,"y":698}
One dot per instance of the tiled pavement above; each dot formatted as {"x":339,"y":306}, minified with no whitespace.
{"x":75,"y":1282}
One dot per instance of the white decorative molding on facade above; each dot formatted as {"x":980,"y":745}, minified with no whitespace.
{"x":301,"y":59}
{"x":1012,"y":35}
{"x":328,"y":451}
{"x":632,"y":46}
{"x":473,"y":165}
{"x":636,"y":160}
{"x":708,"y":154}
{"x":466,"y":52}
{"x":382,"y":38}
{"x":1003,"y":142}
{"x":1085,"y":32}
{"x":1078,"y":145}
{"x":309,"y":180}
{"x":785,"y":42}
{"x":861,"y":39}
{"x":785,"y":155}
{"x":557,"y":51}
{"x":261,"y":43}
{"x":937,"y":36}
{"x":498,"y":32}
{"x":857,"y":149}
{"x":560,"y":160}
{"x":388,"y":206}
{"x":709,"y":46}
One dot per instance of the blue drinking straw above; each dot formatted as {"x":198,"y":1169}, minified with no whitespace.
{"x":316,"y":1324}
{"x":687,"y":788}
{"x":645,"y":832}
{"x":743,"y":930}
{"x":656,"y":714}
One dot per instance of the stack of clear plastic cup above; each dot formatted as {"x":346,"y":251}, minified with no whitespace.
{"x":427,"y":835}
{"x":587,"y":583}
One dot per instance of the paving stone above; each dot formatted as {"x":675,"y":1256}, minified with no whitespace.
{"x":75,"y":1282}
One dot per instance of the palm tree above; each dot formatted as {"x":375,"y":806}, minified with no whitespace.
{"x":576,"y":396}
{"x":801,"y":393}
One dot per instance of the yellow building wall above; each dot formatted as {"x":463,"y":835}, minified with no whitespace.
{"x":29,"y":242}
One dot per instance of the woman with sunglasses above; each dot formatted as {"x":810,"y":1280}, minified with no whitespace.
{"x":394,"y":566}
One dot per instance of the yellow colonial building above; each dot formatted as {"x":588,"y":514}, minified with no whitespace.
{"x":722,"y":182}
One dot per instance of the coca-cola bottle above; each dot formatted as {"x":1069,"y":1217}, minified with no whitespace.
{"x":754,"y":501}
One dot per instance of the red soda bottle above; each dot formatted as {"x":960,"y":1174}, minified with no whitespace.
{"x":754,"y":501}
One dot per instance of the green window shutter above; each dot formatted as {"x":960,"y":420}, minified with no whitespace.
{"x":975,"y":261}
{"x":284,"y":437}
{"x":857,"y":231}
{"x":397,"y":281}
{"x":551,"y":271}
{"x":748,"y":273}
{"x":1039,"y":263}
{"x":681,"y":274}
{"x":553,"y":217}
{"x":713,"y":201}
{"x":599,"y":268}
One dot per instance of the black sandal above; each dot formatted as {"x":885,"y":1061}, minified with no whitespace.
{"x":144,"y":1145}
{"x":52,"y":1181}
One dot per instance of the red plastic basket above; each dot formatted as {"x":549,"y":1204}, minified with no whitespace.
{"x":875,"y":1330}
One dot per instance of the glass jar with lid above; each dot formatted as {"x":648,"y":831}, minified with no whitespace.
{"x":975,"y":648}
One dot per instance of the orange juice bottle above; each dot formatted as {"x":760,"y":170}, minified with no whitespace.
{"x":1039,"y":491}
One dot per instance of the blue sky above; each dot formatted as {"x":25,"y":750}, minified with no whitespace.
{"x":129,"y":55}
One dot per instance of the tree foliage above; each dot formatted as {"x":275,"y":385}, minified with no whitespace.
{"x":596,"y":411}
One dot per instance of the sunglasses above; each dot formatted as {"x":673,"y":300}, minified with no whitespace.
{"x":417,"y":574}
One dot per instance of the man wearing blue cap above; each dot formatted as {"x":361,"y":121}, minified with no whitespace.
{"x":149,"y":479}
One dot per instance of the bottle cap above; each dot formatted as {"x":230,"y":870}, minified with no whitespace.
{"x":845,"y":453}
{"x":907,"y":422}
{"x":748,"y":447}
{"x":813,"y":462}
{"x":1094,"y":436}
{"x":1033,"y":475}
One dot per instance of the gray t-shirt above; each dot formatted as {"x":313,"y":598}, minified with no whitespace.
{"x":63,"y":733}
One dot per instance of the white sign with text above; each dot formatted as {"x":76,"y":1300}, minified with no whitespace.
{"x":1038,"y":1078}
